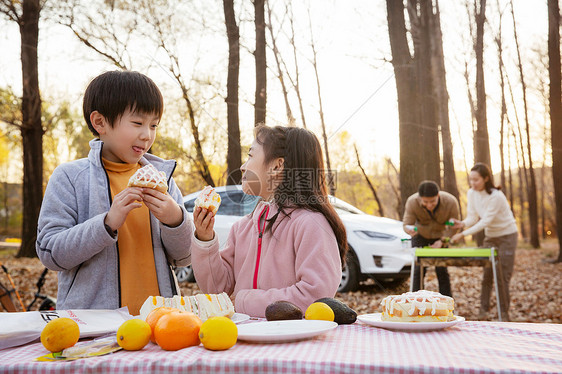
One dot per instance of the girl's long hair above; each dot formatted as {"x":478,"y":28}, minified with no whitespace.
{"x":484,"y":171}
{"x":303,"y":184}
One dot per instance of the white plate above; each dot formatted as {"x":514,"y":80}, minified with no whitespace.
{"x":239,"y":317}
{"x":283,"y":331}
{"x":374,"y":319}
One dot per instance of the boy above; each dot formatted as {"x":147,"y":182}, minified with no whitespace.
{"x":112,"y":244}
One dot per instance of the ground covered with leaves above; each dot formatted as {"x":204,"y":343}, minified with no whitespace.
{"x":536,"y":286}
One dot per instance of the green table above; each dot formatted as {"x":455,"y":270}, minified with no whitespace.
{"x":428,"y":256}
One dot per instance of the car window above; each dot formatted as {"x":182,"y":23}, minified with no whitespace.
{"x":233,"y":203}
{"x":344,"y":208}
{"x":236,"y":203}
{"x":189,"y":205}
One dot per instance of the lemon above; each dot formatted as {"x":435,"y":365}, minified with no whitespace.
{"x":59,"y":334}
{"x":218,"y":333}
{"x":320,"y":311}
{"x":133,"y":334}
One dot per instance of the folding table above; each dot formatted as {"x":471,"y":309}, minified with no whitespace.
{"x":428,"y":256}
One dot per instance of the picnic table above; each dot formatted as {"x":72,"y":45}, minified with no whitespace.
{"x":467,"y":347}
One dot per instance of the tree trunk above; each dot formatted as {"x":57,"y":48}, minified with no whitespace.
{"x":368,"y":180}
{"x":521,"y":190}
{"x":555,"y":111}
{"x":261,"y":63}
{"x":32,"y":130}
{"x":404,"y":71}
{"x":429,"y":152}
{"x":503,"y":113}
{"x":234,"y":152}
{"x":200,"y":161}
{"x":481,"y":142}
{"x":442,"y":100}
{"x":329,"y":173}
{"x":280,"y":76}
{"x":399,"y":207}
{"x":296,"y":82}
{"x":532,"y":191}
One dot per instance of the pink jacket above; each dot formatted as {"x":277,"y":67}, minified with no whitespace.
{"x":299,"y":263}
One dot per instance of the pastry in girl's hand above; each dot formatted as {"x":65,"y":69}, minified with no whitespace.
{"x":208,"y":199}
{"x":149,"y":177}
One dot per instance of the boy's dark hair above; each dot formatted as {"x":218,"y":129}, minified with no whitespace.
{"x":113,"y":92}
{"x":428,"y":189}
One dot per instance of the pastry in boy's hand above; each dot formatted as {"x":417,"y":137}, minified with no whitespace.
{"x":149,"y":177}
{"x":208,"y":199}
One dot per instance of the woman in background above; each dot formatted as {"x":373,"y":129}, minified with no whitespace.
{"x":489,"y":210}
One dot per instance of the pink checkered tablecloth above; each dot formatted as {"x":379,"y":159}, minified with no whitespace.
{"x":469,"y":347}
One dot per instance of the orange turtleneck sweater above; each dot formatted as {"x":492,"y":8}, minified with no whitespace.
{"x":137,"y":270}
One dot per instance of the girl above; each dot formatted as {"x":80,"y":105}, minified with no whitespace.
{"x":292,"y":247}
{"x":488,"y":210}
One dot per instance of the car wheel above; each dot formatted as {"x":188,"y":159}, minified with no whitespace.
{"x":184,"y":274}
{"x":351,"y":273}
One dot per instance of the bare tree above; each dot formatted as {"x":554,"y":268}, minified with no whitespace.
{"x":503,"y":113}
{"x":261,"y":63}
{"x":26,"y":14}
{"x":234,"y":152}
{"x":329,"y":175}
{"x":296,"y":81}
{"x":421,"y":14}
{"x":368,"y":180}
{"x":279,"y":62}
{"x":408,"y":106}
{"x":481,"y":142}
{"x":520,"y":173}
{"x":442,"y":103}
{"x":396,"y":191}
{"x":110,"y":38}
{"x":555,"y":111}
{"x":532,"y":188}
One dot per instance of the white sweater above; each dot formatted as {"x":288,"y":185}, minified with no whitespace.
{"x":490,"y":212}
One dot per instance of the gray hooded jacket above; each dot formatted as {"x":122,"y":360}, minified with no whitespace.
{"x":72,"y":239}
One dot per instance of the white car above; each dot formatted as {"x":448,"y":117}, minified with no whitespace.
{"x":378,"y":247}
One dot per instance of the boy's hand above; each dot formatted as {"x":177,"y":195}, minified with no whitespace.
{"x":125,"y":201}
{"x":163,"y":207}
{"x":204,"y":221}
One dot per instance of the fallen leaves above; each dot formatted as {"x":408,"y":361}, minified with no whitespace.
{"x":536,"y":287}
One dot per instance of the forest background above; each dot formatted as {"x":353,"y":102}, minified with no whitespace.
{"x":397,"y":92}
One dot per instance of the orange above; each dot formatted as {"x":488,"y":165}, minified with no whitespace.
{"x":154,"y":316}
{"x":177,"y":330}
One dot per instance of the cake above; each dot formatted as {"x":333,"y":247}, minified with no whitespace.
{"x":202,"y":305}
{"x":208,"y":199}
{"x":149,"y":177}
{"x":419,"y":306}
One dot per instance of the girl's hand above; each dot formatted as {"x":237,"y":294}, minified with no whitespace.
{"x":125,"y":201}
{"x":204,"y":222}
{"x":457,"y":238}
{"x":163,"y":207}
{"x":458,"y":224}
